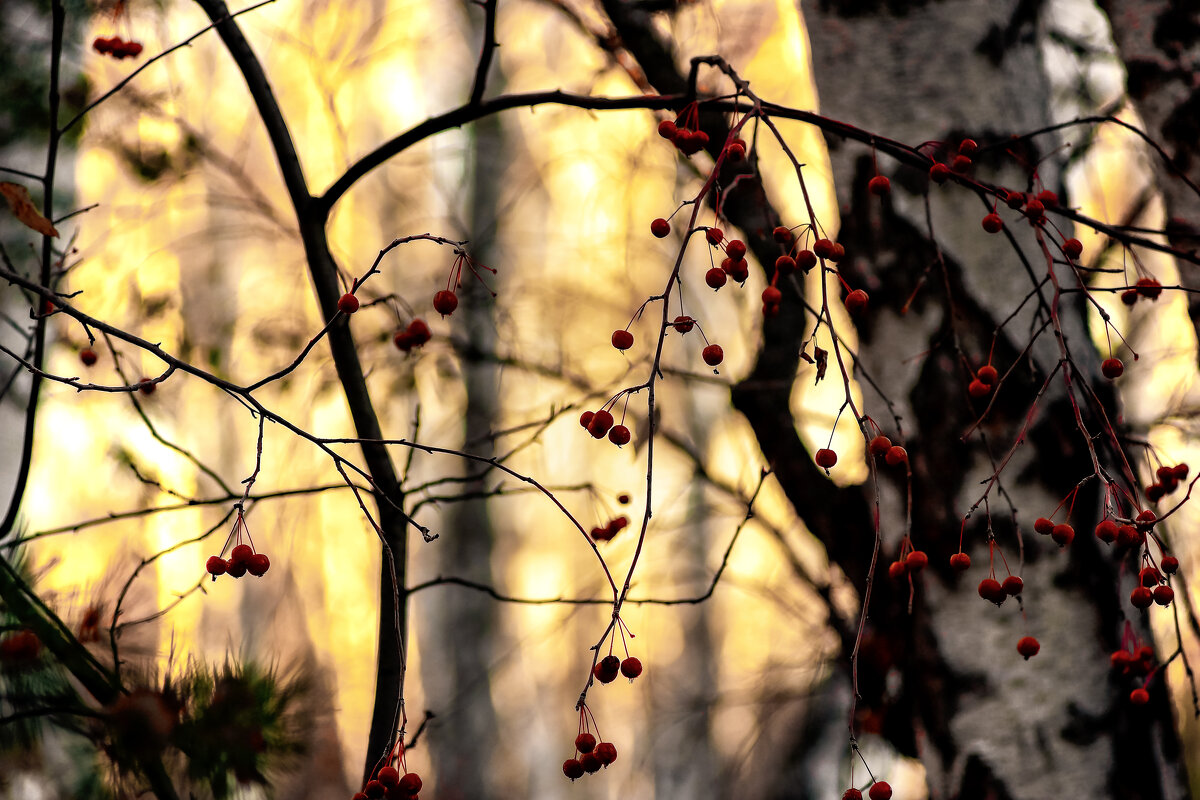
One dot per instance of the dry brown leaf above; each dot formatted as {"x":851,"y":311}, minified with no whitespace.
{"x":24,"y":210}
{"x":822,"y":363}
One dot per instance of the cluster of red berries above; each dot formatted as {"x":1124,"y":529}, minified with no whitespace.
{"x":909,"y":563}
{"x":607,"y":532}
{"x":685,"y":131}
{"x":1062,"y":533}
{"x":116,"y":47}
{"x":242,"y":559}
{"x":1145,"y":287}
{"x":607,"y":669}
{"x":940,"y":173}
{"x":1108,"y":531}
{"x":1168,"y":481}
{"x":880,"y":790}
{"x":983,"y":382}
{"x":893,"y":454}
{"x":416,"y":334}
{"x":1153,"y":588}
{"x":996,"y":592}
{"x":599,"y":423}
{"x":592,"y":756}
{"x":391,"y":785}
{"x":734,"y":265}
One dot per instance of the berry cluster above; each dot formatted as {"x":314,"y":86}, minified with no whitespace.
{"x":880,"y":790}
{"x":591,"y":753}
{"x":388,"y":783}
{"x":599,"y":423}
{"x":685,"y":132}
{"x":242,"y":558}
{"x":116,"y":47}
{"x":607,"y":532}
{"x":416,"y":334}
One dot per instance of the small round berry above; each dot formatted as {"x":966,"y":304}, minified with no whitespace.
{"x":978,"y":389}
{"x":444,"y":302}
{"x":715,"y":278}
{"x":236,"y":570}
{"x":660,"y":228}
{"x":880,"y":790}
{"x":806,"y":260}
{"x":916,"y":561}
{"x":606,"y":752}
{"x":619,"y":435}
{"x":1181,"y":472}
{"x":897,"y":570}
{"x":968,"y":147}
{"x":856,"y":302}
{"x":1139,"y":697}
{"x":825,"y":458}
{"x":782,"y":234}
{"x":1047,"y":197}
{"x":1028,"y":647}
{"x":258,"y":565}
{"x":571,"y":767}
{"x":1072,"y":249}
{"x":990,"y":589}
{"x":988,"y":374}
{"x":585,"y":743}
{"x":771,"y":296}
{"x":939,"y":173}
{"x":1141,"y":597}
{"x":684,"y":324}
{"x":631,"y":667}
{"x":1106,"y":531}
{"x":622,"y":340}
{"x":992,"y":223}
{"x":1014,"y":200}
{"x":1127,"y":536}
{"x":960,"y":163}
{"x":823,"y":248}
{"x":1148,"y":576}
{"x":896,"y":456}
{"x":714,"y":236}
{"x":146,"y":386}
{"x":585,"y":419}
{"x":1043,"y":526}
{"x":785,"y":265}
{"x":1163,"y":595}
{"x":216,"y":566}
{"x":960,"y":562}
{"x":735,"y":249}
{"x":347,"y":304}
{"x":609,"y":663}
{"x":1063,"y":534}
{"x":241,"y":554}
{"x":623,"y":498}
{"x":879,"y":445}
{"x":739,"y":270}
{"x":667,"y":129}
{"x":1112,"y":368}
{"x":374,"y":790}
{"x":879,"y":185}
{"x":410,"y":783}
{"x":418,"y":332}
{"x":712,"y":355}
{"x":88,"y":356}
{"x":590,"y":763}
{"x":1012,"y":585}
{"x":852,"y":794}
{"x":389,"y":777}
{"x":601,"y":422}
{"x":1035,"y":211}
{"x":1170,"y":564}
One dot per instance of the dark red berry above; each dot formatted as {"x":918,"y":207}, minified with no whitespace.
{"x":939,"y":173}
{"x":606,"y":752}
{"x":990,"y":589}
{"x":216,"y":566}
{"x":573,"y":769}
{"x":712,"y":355}
{"x":978,"y":389}
{"x":735,"y":249}
{"x":1163,"y":595}
{"x":1043,"y":526}
{"x":968,"y":147}
{"x":601,"y":422}
{"x":988,"y":374}
{"x":1063,"y":534}
{"x":897,"y":570}
{"x":258,"y":565}
{"x":241,"y":554}
{"x":389,"y":777}
{"x":1112,"y":368}
{"x":1106,"y":531}
{"x":590,"y":762}
{"x":1139,"y":697}
{"x":880,"y":790}
{"x":88,"y":356}
{"x":1012,"y":585}
{"x":660,"y":228}
{"x":992,"y":223}
{"x":714,"y":236}
{"x":1072,"y":249}
{"x":960,"y":562}
{"x":631,"y":667}
{"x":852,"y":794}
{"x":585,"y":743}
{"x":782,"y":234}
{"x":879,"y":445}
{"x":825,"y":458}
{"x":684,"y":324}
{"x":347,"y":304}
{"x":444,"y":302}
{"x":879,"y":185}
{"x":823,"y":248}
{"x":622,"y":340}
{"x":806,"y":260}
{"x":1028,"y":647}
{"x":410,"y":783}
{"x":667,"y":129}
{"x":856,"y":302}
{"x":896,"y":456}
{"x":771,"y":296}
{"x":1141,"y":597}
{"x":715,"y":277}
{"x":1170,"y":564}
{"x":619,"y":435}
{"x":916,"y":561}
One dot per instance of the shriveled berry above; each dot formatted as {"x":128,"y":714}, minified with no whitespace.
{"x":585,"y":743}
{"x":1028,"y":647}
{"x":573,"y":769}
{"x":622,"y":340}
{"x":992,"y":223}
{"x":347,"y":304}
{"x":825,"y":458}
{"x":1012,"y":585}
{"x":619,"y":435}
{"x":715,"y":277}
{"x":660,"y":228}
{"x":444,"y":302}
{"x":895,"y":456}
{"x":1112,"y":368}
{"x":712,"y":355}
{"x":631,"y":667}
{"x":856,"y":301}
{"x":1163,"y":595}
{"x":879,"y":185}
{"x":960,"y":562}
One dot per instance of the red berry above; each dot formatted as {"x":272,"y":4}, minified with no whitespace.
{"x":879,"y":185}
{"x":622,"y":340}
{"x":619,"y":435}
{"x":823,"y":248}
{"x":601,"y":422}
{"x":419,"y":332}
{"x":782,"y":234}
{"x":585,"y":743}
{"x":771,"y":296}
{"x":916,"y":561}
{"x":389,"y":777}
{"x":374,"y":790}
{"x":988,"y":374}
{"x":1106,"y":531}
{"x":572,"y":769}
{"x":712,"y":355}
{"x":444,"y":302}
{"x":1034,"y":210}
{"x":1170,"y":564}
{"x":806,"y":260}
{"x":739,"y":270}
{"x":960,"y":163}
{"x":88,"y":356}
{"x":736,"y":151}
{"x":714,"y":236}
{"x":1180,"y":472}
{"x":631,"y":667}
{"x":1012,"y":585}
{"x":585,"y":419}
{"x":1127,"y":536}
{"x":880,"y":790}
{"x":684,"y":324}
{"x":1014,"y":200}
{"x":216,"y":566}
{"x":715,"y":277}
{"x":347,"y":304}
{"x":1028,"y":647}
{"x":825,"y":458}
{"x":856,"y":302}
{"x":978,"y":389}
{"x":1047,"y":197}
{"x":785,"y":265}
{"x":735,"y":249}
{"x":1112,"y":368}
{"x":590,"y":762}
{"x":1063,"y":534}
{"x":960,"y":562}
{"x":1139,"y":697}
{"x":410,"y":783}
{"x":1129,"y":296}
{"x":102,"y":45}
{"x":1163,"y":595}
{"x":258,"y":565}
{"x":1043,"y":526}
{"x":1148,"y":576}
{"x":879,"y":445}
{"x":897,"y":570}
{"x":968,"y":147}
{"x":1072,"y":249}
{"x":241,"y":554}
{"x":146,"y":386}
{"x":1145,"y":519}
{"x":895,"y":456}
{"x":939,"y":173}
{"x":660,"y":228}
{"x":992,"y":223}
{"x":990,"y":589}
{"x":667,"y":129}
{"x":852,"y":794}
{"x":606,"y":752}
{"x":1141,"y":597}
{"x":236,"y":570}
